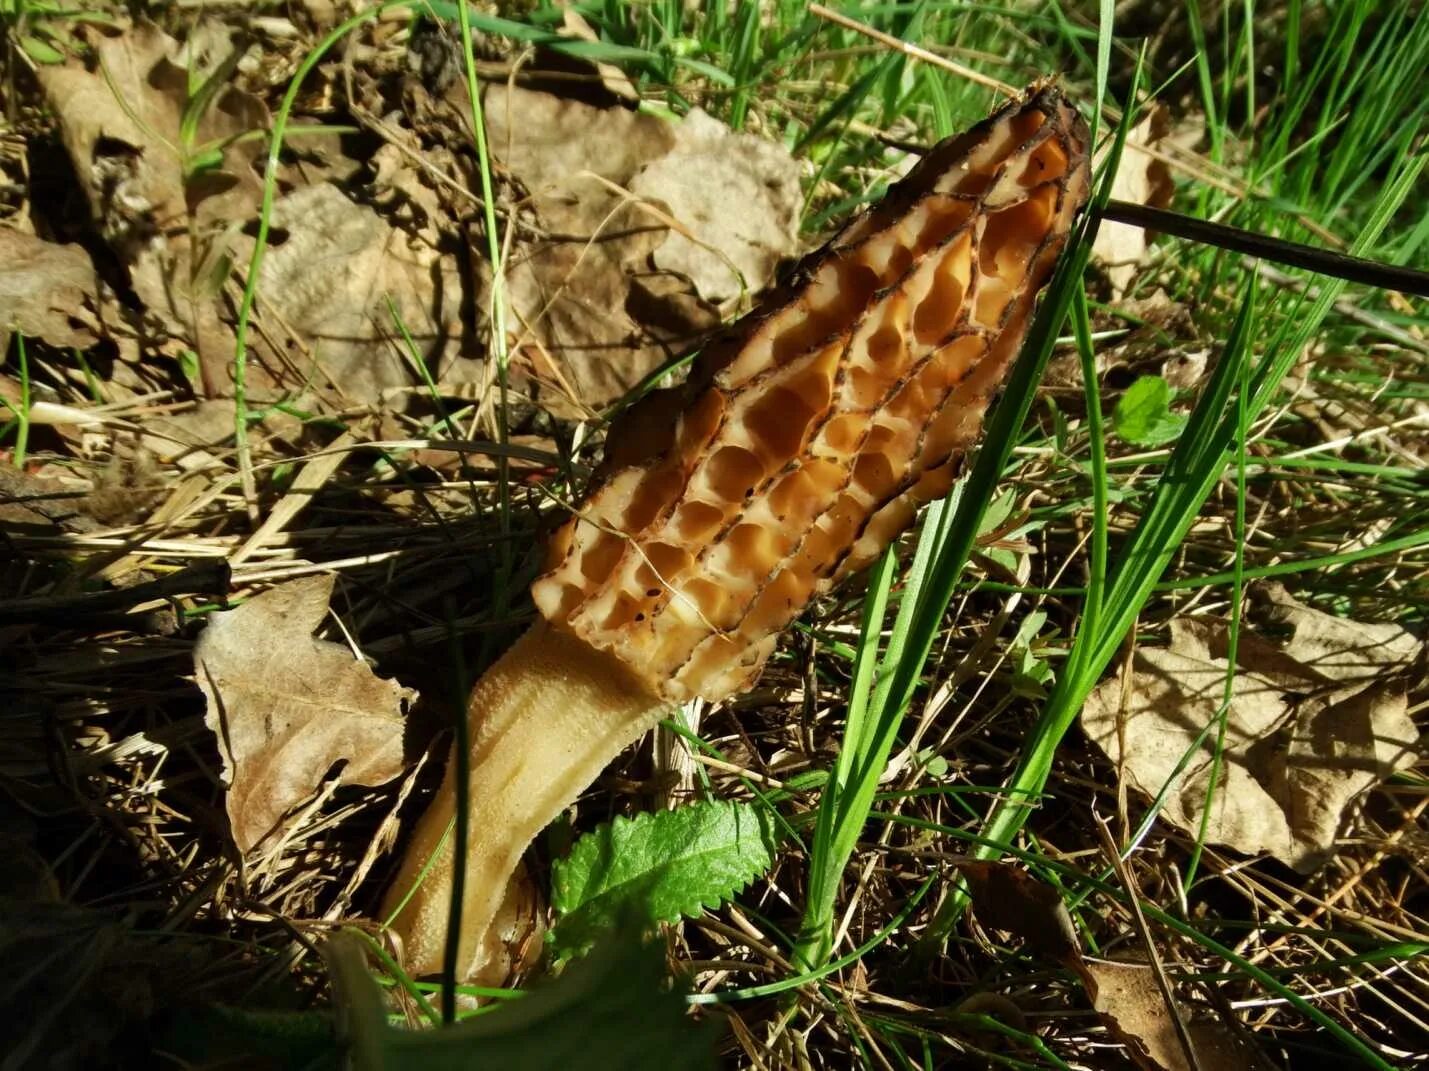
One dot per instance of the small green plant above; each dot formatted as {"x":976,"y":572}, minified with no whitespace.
{"x":657,"y":867}
{"x":1031,"y":673}
{"x":612,"y":1009}
{"x":1143,"y":416}
{"x":42,"y":31}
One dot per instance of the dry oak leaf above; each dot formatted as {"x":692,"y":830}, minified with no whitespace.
{"x":1298,"y":750}
{"x":286,"y":707}
{"x":45,"y":290}
{"x":1129,"y":1001}
{"x":644,"y":227}
{"x":335,"y":278}
{"x":1141,"y":179}
{"x":122,"y":125}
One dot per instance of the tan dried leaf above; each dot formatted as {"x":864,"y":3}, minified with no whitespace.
{"x":567,"y":291}
{"x":286,"y":707}
{"x":1141,"y":179}
{"x":331,"y":279}
{"x":45,"y":290}
{"x":121,"y":123}
{"x":607,"y":290}
{"x":1127,"y":997}
{"x":1298,"y":752}
{"x":736,"y":195}
{"x":122,"y":126}
{"x":1339,"y":649}
{"x":1125,"y":994}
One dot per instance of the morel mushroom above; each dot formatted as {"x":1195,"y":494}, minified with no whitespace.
{"x":803,"y":442}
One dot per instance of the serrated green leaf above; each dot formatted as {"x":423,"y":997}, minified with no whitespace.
{"x":658,"y":867}
{"x":612,"y":1011}
{"x":1143,"y":416}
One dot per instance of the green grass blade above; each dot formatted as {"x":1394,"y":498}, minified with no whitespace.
{"x":1195,"y":465}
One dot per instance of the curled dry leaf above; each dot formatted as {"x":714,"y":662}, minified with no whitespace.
{"x":1337,"y":648}
{"x":612,"y":80}
{"x":44,"y":291}
{"x":1006,"y":897}
{"x":1303,"y":739}
{"x":1125,"y":994}
{"x":1141,"y":179}
{"x":1129,"y":1001}
{"x":166,"y":206}
{"x":606,"y":290}
{"x":568,"y":290}
{"x":286,"y":707}
{"x":331,"y":279}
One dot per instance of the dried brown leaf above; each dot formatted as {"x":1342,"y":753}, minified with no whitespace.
{"x":286,"y":707}
{"x":567,"y":290}
{"x":1298,"y":752}
{"x":609,"y":287}
{"x":1126,"y":996}
{"x":168,"y":220}
{"x":44,"y":291}
{"x":1141,"y":179}
{"x":331,"y":278}
{"x":1337,"y":648}
{"x":121,"y":123}
{"x":736,"y":195}
{"x":1006,"y":897}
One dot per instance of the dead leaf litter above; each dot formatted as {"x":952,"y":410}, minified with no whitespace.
{"x":1310,"y":725}
{"x":210,"y":720}
{"x":286,"y":707}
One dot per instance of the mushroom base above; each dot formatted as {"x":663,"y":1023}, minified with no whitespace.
{"x":543,"y":722}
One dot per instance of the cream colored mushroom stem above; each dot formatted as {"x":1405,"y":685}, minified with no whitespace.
{"x":544,"y":721}
{"x":804,"y":441}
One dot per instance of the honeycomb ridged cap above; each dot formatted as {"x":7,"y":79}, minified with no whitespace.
{"x":810,"y":431}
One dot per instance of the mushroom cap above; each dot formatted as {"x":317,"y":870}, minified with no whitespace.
{"x":811,"y":430}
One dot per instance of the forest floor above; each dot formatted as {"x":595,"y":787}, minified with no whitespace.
{"x":1191,"y":624}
